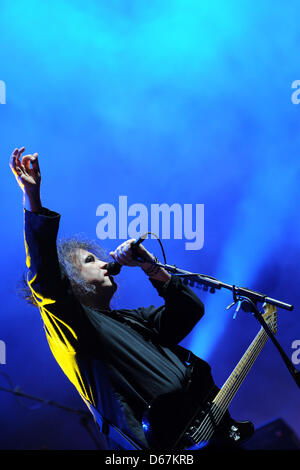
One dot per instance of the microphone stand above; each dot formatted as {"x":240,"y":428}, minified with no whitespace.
{"x":247,"y":300}
{"x":85,"y":417}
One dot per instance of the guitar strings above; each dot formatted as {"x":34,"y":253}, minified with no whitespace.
{"x":206,"y":426}
{"x":221,"y":410}
{"x":209,"y":430}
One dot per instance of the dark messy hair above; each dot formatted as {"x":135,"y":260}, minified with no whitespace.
{"x":65,"y":250}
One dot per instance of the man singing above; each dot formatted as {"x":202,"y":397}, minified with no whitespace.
{"x":118,"y":360}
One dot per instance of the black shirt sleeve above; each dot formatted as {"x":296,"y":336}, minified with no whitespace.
{"x":63,"y":316}
{"x":40,"y":233}
{"x":67,"y":328}
{"x":177,"y":317}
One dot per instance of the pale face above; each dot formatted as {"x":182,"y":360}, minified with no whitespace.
{"x":93,"y":271}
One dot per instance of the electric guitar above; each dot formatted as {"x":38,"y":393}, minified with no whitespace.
{"x":180,"y":420}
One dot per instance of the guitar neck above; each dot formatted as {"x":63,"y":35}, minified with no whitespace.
{"x":238,"y":375}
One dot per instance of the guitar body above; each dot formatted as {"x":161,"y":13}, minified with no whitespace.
{"x":171,"y":419}
{"x":197,"y":417}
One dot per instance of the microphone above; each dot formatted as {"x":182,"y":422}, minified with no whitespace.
{"x":113,"y":268}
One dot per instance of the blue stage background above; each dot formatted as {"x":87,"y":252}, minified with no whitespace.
{"x":164,"y":102}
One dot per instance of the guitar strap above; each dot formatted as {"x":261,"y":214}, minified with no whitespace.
{"x":199,"y":371}
{"x":191,"y":361}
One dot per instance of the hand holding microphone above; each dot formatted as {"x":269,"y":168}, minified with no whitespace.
{"x":129,"y":253}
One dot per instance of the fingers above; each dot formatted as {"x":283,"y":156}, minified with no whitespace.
{"x":23,"y":165}
{"x":120,"y":254}
{"x":123,"y":254}
{"x":144,"y":253}
{"x":19,"y":153}
{"x":26,"y":162}
{"x":14,"y":163}
{"x":35,"y":161}
{"x":30,"y":158}
{"x":14,"y":157}
{"x":17,"y":164}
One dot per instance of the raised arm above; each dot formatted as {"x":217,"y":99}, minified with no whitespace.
{"x":40,"y":224}
{"x":50,"y":289}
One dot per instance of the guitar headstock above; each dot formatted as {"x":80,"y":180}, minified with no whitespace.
{"x":270,"y":316}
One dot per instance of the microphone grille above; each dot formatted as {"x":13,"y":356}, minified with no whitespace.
{"x":113,"y":268}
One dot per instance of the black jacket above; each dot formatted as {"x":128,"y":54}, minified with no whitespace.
{"x":118,"y":360}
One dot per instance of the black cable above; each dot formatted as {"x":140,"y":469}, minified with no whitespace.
{"x":159,"y":241}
